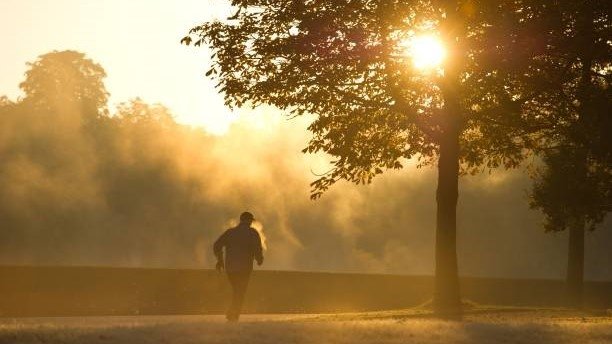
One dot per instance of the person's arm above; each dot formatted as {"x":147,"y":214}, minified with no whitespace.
{"x":218,"y":250}
{"x":258,"y":248}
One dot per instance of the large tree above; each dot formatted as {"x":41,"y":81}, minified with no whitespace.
{"x":574,"y":188}
{"x":344,"y":62}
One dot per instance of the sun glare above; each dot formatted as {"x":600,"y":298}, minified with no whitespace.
{"x":425,"y":51}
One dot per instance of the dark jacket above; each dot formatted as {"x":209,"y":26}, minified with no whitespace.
{"x":242,"y":245}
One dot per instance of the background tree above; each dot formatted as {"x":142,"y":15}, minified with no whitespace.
{"x":64,"y":94}
{"x":66,"y":82}
{"x":574,"y":195}
{"x":574,"y":189}
{"x":343,"y":61}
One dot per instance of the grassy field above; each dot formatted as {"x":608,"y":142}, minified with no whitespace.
{"x":128,"y":306}
{"x":483,"y":325}
{"x":97,"y":291}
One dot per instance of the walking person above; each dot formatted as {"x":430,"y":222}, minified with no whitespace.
{"x":242,"y":245}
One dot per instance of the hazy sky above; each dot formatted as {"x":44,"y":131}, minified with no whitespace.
{"x":136,"y":41}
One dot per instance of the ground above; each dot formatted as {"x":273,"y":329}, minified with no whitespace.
{"x":477,"y":326}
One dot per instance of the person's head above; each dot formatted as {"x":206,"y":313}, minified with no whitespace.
{"x":246,"y":218}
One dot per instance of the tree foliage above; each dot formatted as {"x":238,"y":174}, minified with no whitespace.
{"x":567,"y":190}
{"x":576,"y":183}
{"x":345,"y":62}
{"x":62,"y":79}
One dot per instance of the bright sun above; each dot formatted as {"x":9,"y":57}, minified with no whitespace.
{"x":425,"y":51}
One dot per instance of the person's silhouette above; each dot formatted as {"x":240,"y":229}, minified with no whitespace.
{"x":242,"y":245}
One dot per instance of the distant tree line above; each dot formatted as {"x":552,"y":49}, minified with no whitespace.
{"x":73,"y":168}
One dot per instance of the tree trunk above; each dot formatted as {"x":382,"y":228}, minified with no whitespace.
{"x":575,"y":257}
{"x":446,"y":289}
{"x":446,"y":298}
{"x":575,"y":264}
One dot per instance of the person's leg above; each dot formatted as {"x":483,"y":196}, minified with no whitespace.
{"x":230,"y":314}
{"x":239,"y":282}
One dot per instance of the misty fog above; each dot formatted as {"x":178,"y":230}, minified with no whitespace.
{"x":130,"y":187}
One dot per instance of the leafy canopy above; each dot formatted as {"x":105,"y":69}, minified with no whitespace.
{"x":575,"y":186}
{"x":63,"y":78}
{"x":344,"y":62}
